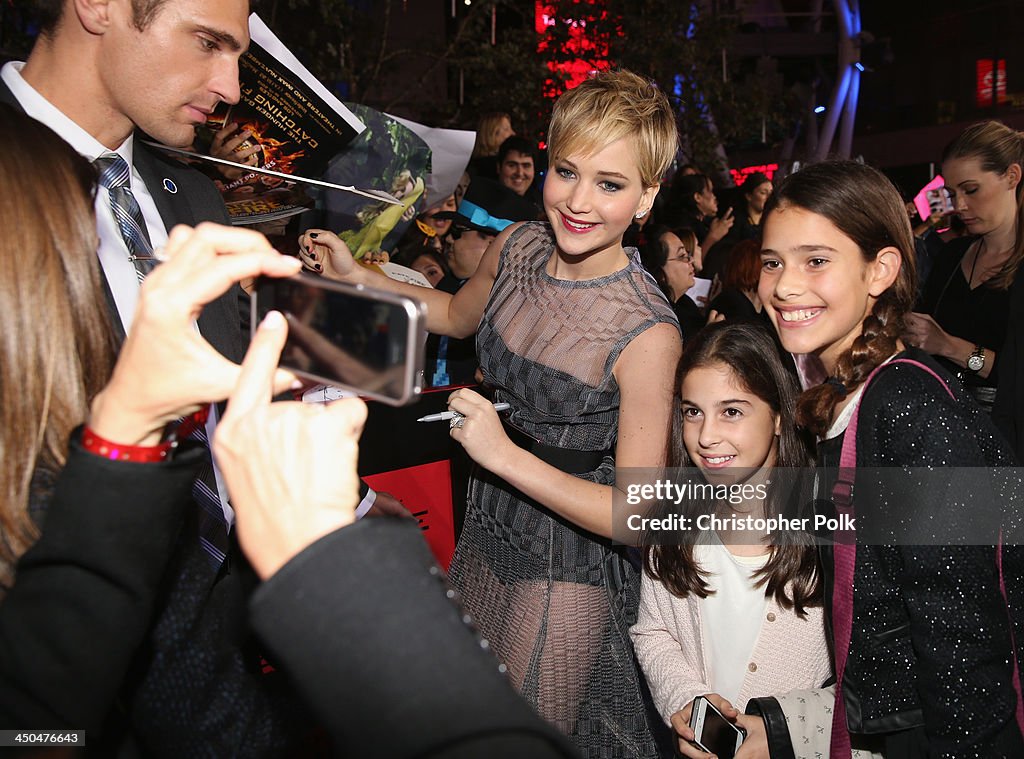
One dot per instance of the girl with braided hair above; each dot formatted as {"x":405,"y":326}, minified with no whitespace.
{"x":928,"y":662}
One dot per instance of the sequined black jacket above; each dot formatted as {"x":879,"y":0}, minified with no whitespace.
{"x":932,"y":636}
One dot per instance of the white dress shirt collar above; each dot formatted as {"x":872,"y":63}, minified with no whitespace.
{"x":41,"y":109}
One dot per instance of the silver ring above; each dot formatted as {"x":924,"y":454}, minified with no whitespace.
{"x":456,"y":421}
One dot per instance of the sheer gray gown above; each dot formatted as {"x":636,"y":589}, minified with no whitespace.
{"x":554,"y":602}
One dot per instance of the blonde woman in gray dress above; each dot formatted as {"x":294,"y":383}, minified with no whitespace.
{"x":576,"y":336}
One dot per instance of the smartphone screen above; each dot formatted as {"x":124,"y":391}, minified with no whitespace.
{"x":364,"y":340}
{"x":713,"y":731}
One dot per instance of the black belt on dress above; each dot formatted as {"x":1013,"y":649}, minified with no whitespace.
{"x":568,"y":460}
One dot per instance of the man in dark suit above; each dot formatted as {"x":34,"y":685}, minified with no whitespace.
{"x":103,"y":69}
{"x":101,"y":73}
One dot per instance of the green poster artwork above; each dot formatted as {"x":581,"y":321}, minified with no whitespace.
{"x":386,"y":156}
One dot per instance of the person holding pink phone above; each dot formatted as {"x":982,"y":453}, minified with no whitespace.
{"x":963,"y":315}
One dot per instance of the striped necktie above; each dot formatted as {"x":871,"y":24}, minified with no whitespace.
{"x":213,"y":526}
{"x":114,"y":176}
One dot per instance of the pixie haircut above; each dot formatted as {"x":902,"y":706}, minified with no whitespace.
{"x":608,"y":107}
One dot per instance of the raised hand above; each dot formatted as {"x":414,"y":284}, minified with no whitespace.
{"x":290,"y":467}
{"x":166,"y":369}
{"x":323,"y":252}
{"x":227,"y":144}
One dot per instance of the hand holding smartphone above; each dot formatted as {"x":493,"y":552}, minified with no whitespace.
{"x":713,"y":732}
{"x":365,"y":340}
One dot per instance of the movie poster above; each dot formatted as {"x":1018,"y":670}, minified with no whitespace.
{"x":295,"y":121}
{"x":386,"y":156}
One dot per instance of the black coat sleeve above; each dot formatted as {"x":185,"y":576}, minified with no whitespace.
{"x":366,"y":625}
{"x":945,"y":522}
{"x":84,"y":594}
{"x":1008,"y":412}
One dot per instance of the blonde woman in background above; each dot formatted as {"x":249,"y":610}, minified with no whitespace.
{"x":492,"y":130}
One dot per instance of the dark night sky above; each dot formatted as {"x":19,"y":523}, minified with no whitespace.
{"x":910,"y":107}
{"x":936,"y":45}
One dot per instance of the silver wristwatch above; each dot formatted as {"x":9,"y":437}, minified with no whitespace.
{"x":976,"y":361}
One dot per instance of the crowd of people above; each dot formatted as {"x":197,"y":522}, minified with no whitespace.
{"x":182,"y":569}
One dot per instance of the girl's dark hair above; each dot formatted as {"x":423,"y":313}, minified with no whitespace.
{"x":433,"y":255}
{"x":654,"y":254}
{"x":865,"y":206}
{"x":996,"y":147}
{"x":791,"y":573}
{"x":684,"y":187}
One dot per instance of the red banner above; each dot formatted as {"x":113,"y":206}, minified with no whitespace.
{"x":586,"y":50}
{"x":739,"y":176}
{"x":426,"y":491}
{"x":985,"y":74}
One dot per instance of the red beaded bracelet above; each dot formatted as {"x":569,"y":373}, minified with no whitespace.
{"x":145,"y":454}
{"x":142,"y":454}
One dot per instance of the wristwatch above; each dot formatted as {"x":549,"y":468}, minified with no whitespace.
{"x":976,"y":361}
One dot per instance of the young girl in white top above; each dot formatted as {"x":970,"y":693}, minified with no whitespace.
{"x":735,"y":614}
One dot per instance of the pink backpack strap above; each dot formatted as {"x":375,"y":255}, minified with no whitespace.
{"x":845,"y":560}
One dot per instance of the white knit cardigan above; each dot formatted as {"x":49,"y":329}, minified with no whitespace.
{"x":790,"y":653}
